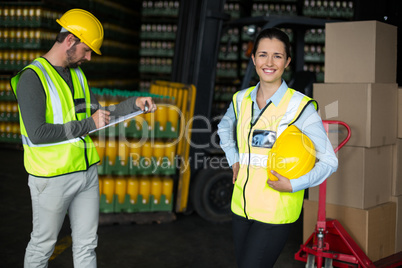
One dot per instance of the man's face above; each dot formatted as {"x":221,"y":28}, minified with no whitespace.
{"x":78,"y":54}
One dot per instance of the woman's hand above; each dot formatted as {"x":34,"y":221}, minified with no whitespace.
{"x":235,"y":169}
{"x":143,"y":102}
{"x":281,"y":185}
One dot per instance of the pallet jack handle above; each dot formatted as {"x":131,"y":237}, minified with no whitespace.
{"x":321,"y":219}
{"x":326,"y":124}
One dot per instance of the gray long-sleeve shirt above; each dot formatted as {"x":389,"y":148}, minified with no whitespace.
{"x":32,"y":102}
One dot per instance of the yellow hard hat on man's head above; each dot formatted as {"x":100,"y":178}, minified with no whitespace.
{"x":85,"y":26}
{"x":292,"y":156}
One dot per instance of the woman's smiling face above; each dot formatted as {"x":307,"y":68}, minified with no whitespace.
{"x":270,"y":60}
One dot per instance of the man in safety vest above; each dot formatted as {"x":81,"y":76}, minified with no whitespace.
{"x":57,"y":111}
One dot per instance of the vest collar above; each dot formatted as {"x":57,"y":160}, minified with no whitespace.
{"x":275,"y":99}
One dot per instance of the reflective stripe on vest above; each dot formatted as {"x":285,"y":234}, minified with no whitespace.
{"x":252,"y":197}
{"x":54,"y":95}
{"x":27,"y":141}
{"x":74,"y":154}
{"x":238,"y":97}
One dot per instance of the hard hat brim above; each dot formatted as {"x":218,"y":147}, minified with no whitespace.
{"x":76,"y":34}
{"x":85,"y":26}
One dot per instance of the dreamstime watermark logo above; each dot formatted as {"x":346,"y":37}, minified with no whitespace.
{"x":152,"y":163}
{"x":219,"y":138}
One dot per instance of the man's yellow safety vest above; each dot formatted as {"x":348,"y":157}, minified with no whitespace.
{"x":252,"y":197}
{"x":74,"y":154}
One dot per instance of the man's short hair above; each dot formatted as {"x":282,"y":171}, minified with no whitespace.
{"x":62,"y":36}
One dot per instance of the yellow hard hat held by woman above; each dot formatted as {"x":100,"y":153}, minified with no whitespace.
{"x":292,"y":156}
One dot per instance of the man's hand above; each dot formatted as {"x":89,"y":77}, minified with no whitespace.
{"x":143,"y":102}
{"x":101,"y":118}
{"x":235,"y":169}
{"x":281,"y":185}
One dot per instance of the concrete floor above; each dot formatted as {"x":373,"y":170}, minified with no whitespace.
{"x":188,"y":241}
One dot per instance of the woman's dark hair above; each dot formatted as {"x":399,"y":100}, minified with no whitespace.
{"x":272,"y":33}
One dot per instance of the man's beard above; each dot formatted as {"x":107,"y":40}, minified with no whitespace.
{"x":70,"y":55}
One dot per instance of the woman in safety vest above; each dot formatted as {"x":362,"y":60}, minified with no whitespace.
{"x":264,"y":208}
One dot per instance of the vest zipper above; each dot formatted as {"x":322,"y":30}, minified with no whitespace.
{"x":249,"y":149}
{"x":85,"y":153}
{"x":76,"y":117}
{"x":248,"y":167}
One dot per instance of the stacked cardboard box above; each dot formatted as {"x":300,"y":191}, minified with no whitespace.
{"x":360,"y":89}
{"x":399,"y":113}
{"x":397,"y":176}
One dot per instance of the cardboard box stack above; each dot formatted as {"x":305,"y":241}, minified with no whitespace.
{"x":397,"y":176}
{"x":365,"y":194}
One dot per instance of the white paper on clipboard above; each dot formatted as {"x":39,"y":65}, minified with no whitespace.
{"x":118,"y":120}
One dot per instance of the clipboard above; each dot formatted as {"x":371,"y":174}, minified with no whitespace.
{"x":118,"y":120}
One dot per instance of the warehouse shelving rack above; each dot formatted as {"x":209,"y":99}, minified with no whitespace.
{"x":159,"y":20}
{"x":28,"y":29}
{"x":235,"y":51}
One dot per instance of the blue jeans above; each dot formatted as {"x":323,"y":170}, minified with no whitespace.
{"x":52,"y":198}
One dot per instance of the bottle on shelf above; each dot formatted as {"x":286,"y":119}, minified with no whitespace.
{"x":120,"y":188}
{"x":108,"y":188}
{"x":111,"y":150}
{"x":3,"y":109}
{"x":173,"y":114}
{"x":147,"y":151}
{"x":170,"y":151}
{"x":133,"y":189}
{"x":156,"y":188}
{"x":135,"y":152}
{"x":123,"y":152}
{"x":100,"y":145}
{"x":167,"y":188}
{"x":145,"y":189}
{"x":161,"y":114}
{"x":15,"y":130}
{"x":158,"y":152}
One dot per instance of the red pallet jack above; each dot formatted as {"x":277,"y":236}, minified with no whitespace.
{"x":330,"y":244}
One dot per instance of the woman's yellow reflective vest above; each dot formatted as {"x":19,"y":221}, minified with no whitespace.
{"x":252,"y":197}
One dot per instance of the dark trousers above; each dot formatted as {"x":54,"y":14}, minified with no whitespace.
{"x":258,"y":244}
